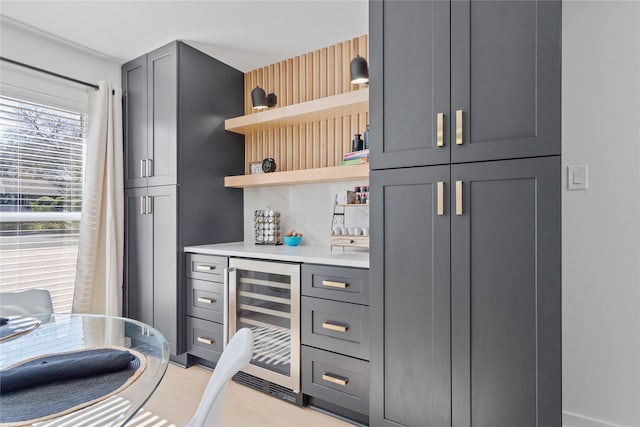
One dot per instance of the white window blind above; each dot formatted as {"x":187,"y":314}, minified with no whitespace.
{"x":42,"y":151}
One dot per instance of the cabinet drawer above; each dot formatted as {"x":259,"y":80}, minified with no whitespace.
{"x":336,"y":326}
{"x":338,"y":379}
{"x":206,"y":267}
{"x":337,"y":283}
{"x":205,"y":300}
{"x":204,"y":339}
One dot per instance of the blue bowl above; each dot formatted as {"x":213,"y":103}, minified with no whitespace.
{"x":292,"y":240}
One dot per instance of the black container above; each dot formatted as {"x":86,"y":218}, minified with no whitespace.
{"x":357,"y":143}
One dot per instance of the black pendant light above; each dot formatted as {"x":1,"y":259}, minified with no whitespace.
{"x":359,"y":70}
{"x":260,"y":100}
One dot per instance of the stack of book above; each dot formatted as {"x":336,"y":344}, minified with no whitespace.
{"x":355,"y":158}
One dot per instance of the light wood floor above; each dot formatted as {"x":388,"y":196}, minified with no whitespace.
{"x":178,"y":395}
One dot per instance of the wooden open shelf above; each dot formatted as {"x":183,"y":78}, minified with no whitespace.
{"x":323,"y":108}
{"x":305,"y":176}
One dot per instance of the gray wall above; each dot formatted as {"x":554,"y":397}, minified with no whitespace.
{"x":601,"y":226}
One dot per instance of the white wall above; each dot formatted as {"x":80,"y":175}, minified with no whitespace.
{"x":601,"y":226}
{"x":33,"y":47}
{"x":305,"y":208}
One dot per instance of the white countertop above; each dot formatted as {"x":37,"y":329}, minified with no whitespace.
{"x":309,"y":254}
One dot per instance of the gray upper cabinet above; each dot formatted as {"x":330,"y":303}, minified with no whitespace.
{"x":505,"y":294}
{"x":151,"y":91}
{"x":176,"y":155}
{"x":463,"y":81}
{"x":409,"y":86}
{"x":134,"y":84}
{"x":410,"y":298}
{"x":505,"y":79}
{"x":162,"y":147}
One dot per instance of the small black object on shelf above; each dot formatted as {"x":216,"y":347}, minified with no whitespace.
{"x":268,"y":165}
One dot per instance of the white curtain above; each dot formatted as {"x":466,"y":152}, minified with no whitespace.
{"x":98,"y":287}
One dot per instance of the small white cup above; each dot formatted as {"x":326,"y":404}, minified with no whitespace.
{"x":344,"y":231}
{"x":337,"y":231}
{"x":365,"y":231}
{"x":356,"y":231}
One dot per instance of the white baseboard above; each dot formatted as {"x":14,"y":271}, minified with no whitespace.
{"x":570,"y":419}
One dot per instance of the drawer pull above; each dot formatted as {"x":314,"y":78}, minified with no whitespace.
{"x":201,"y":267}
{"x":332,"y":284}
{"x":339,"y":328}
{"x":205,"y":340}
{"x":206,"y":300}
{"x":330,"y":378}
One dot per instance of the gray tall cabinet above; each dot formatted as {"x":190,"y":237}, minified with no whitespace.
{"x":465,"y":213}
{"x":176,"y":156}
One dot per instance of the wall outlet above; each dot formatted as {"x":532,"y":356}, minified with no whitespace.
{"x":577,"y":177}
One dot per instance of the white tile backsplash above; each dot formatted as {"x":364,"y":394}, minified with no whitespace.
{"x":305,"y":208}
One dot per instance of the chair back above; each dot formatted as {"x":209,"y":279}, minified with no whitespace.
{"x":22,"y":303}
{"x":235,"y":356}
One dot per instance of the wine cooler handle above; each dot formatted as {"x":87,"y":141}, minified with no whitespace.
{"x":229,"y":306}
{"x":225,"y":307}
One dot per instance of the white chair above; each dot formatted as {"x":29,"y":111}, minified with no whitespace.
{"x":21,"y":303}
{"x":235,"y":356}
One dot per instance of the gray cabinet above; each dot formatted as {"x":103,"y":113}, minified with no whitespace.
{"x":206,"y":305}
{"x":410,"y":297}
{"x":463,"y":81}
{"x":176,"y":153}
{"x":150,"y":85}
{"x":139,"y":257}
{"x":469,"y":300}
{"x":134,"y":85}
{"x":410,"y":60}
{"x":505,"y":79}
{"x":335,"y":339}
{"x":505,"y":291}
{"x":465,"y":277}
{"x":150,"y":252}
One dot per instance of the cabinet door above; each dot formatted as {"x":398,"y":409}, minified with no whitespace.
{"x":409,"y":83}
{"x":505,"y":296}
{"x":505,"y":78}
{"x":138,"y":257}
{"x":163,"y":115}
{"x":134,"y":84}
{"x":409,"y":313}
{"x":169,"y":295}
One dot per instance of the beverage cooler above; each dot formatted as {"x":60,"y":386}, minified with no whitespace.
{"x":265,"y":297}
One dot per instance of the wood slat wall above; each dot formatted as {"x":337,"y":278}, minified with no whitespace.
{"x":310,"y":76}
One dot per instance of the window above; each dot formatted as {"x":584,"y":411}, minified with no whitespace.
{"x":42,"y":152}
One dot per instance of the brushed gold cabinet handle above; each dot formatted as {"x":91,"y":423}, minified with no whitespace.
{"x":149,"y":204}
{"x":143,"y":167}
{"x":206,"y":300}
{"x":205,"y":340}
{"x":149,"y":167}
{"x":142,"y":205}
{"x":459,"y":127}
{"x":440,"y":129}
{"x":458,"y":197}
{"x":201,"y":267}
{"x":440,"y":204}
{"x":330,"y":378}
{"x":332,"y":284}
{"x":331,"y":326}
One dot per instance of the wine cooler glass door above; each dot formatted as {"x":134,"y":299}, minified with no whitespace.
{"x":265,"y":297}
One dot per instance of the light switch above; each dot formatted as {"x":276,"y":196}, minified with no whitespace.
{"x":577,"y":177}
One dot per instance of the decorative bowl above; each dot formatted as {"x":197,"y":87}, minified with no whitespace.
{"x":292,"y":240}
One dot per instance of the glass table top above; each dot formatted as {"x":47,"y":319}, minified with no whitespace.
{"x":62,"y":333}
